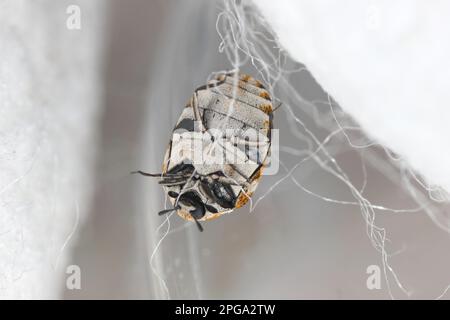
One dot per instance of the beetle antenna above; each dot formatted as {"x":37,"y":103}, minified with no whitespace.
{"x":147,"y":174}
{"x":199,"y":226}
{"x":163,"y":212}
{"x":157,"y":175}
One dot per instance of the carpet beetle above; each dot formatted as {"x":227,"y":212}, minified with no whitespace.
{"x":219,"y":148}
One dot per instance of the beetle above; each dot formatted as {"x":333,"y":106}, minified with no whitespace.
{"x":219,"y":148}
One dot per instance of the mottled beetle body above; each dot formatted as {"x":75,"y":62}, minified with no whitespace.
{"x":219,"y":148}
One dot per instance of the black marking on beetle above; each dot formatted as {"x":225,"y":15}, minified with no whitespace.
{"x":172,"y":194}
{"x":210,"y":208}
{"x":192,"y":199}
{"x":204,"y":186}
{"x":186,"y":124}
{"x":223,"y":194}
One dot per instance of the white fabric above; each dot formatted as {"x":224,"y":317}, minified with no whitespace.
{"x":48,"y":104}
{"x":385,"y":62}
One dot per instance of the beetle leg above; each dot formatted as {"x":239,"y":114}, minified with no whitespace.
{"x":171,"y":184}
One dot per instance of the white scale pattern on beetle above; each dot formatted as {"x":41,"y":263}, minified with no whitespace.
{"x":248,"y":112}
